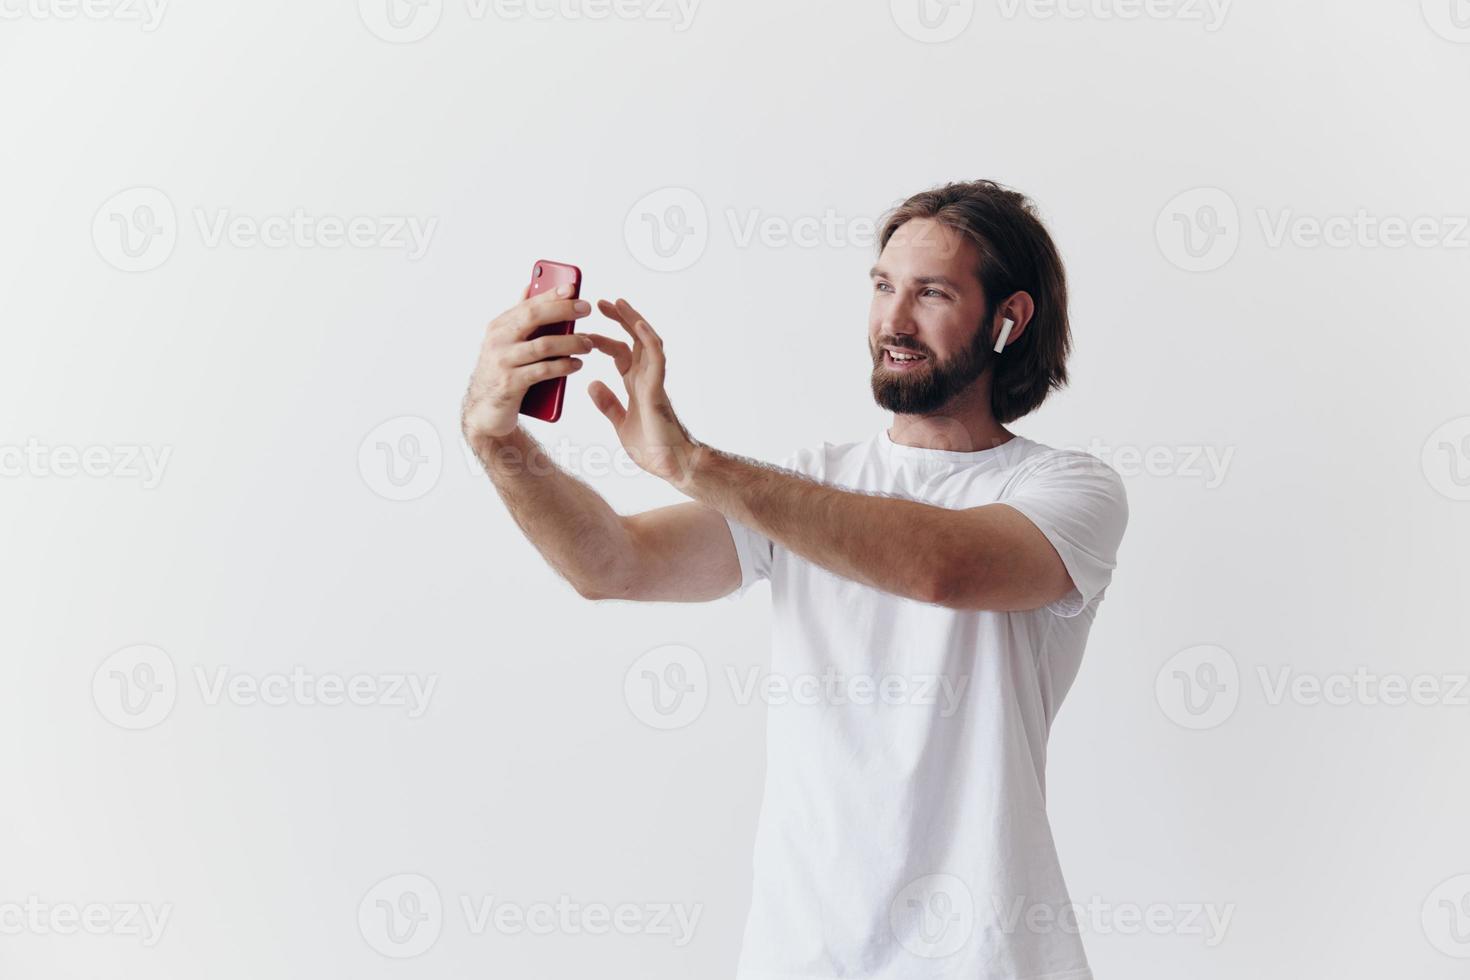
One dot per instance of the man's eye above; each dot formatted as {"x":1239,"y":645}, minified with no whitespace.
{"x":881,"y":286}
{"x":935,"y":292}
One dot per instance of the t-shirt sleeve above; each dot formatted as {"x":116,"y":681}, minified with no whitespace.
{"x":756,"y":551}
{"x":1079,"y":503}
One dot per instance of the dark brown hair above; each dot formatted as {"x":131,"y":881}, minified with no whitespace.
{"x":1016,"y":255}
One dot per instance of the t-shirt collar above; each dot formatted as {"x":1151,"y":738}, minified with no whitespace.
{"x":947,"y":457}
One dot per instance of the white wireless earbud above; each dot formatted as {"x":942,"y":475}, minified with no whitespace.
{"x":1005,"y":334}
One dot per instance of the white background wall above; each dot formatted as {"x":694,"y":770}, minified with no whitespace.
{"x":1328,"y":537}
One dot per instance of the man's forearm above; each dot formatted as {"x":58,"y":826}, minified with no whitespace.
{"x":897,"y":545}
{"x":575,"y":530}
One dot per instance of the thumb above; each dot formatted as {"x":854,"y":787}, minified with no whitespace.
{"x":607,"y":403}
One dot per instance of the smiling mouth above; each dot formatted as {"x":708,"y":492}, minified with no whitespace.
{"x":901,"y":359}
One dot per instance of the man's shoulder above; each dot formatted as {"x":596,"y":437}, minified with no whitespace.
{"x":1062,"y":467}
{"x":1032,"y":455}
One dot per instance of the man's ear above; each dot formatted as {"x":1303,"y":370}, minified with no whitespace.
{"x":1018,"y":308}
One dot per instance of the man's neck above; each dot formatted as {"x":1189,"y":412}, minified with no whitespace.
{"x":945,"y":432}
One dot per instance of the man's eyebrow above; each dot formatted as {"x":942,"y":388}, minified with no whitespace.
{"x":876,"y":273}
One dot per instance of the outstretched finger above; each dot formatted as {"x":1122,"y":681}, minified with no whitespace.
{"x":648,"y":340}
{"x":632,"y":316}
{"x":614,"y":312}
{"x":607,"y":403}
{"x":640,"y":328}
{"x":620,"y":352}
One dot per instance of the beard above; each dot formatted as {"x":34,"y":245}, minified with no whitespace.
{"x":931,"y":386}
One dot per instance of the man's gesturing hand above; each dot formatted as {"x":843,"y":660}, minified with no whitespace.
{"x":647,"y":428}
{"x":510,"y":363}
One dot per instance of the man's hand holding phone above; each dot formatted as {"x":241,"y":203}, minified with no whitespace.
{"x":511,"y":361}
{"x":513,"y":358}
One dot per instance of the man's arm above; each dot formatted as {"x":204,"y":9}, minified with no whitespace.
{"x":989,"y":557}
{"x":681,"y":553}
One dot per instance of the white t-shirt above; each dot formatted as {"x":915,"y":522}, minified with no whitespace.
{"x":904,"y":832}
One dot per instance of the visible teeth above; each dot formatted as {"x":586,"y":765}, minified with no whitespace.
{"x":905,"y":357}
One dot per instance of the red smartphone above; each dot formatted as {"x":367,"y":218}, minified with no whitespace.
{"x":544,"y":398}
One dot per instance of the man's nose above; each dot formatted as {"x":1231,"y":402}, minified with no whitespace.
{"x":899,"y":320}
